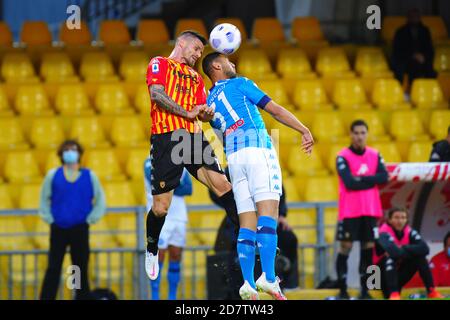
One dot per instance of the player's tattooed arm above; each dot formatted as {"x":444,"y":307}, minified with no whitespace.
{"x":160,"y":97}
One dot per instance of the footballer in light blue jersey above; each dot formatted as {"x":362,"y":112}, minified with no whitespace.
{"x":253,"y":165}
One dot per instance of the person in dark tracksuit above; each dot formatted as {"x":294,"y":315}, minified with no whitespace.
{"x":71,"y":199}
{"x":441,"y":150}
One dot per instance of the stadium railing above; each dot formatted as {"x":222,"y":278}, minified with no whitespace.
{"x":122,"y":268}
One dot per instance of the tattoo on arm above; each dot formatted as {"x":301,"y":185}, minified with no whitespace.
{"x":160,"y":97}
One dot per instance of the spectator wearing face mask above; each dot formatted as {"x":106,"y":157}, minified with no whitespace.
{"x":71,"y":199}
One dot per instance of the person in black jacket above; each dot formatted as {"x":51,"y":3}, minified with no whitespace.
{"x":412,"y":50}
{"x":441,"y":150}
{"x":400,"y":252}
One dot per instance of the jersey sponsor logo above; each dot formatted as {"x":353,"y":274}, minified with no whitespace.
{"x":363,"y":169}
{"x":235,"y":126}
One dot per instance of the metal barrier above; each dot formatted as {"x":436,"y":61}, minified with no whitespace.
{"x":121,"y":267}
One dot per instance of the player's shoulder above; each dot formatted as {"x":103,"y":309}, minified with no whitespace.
{"x":343,"y":152}
{"x":157,"y":61}
{"x":372,"y":150}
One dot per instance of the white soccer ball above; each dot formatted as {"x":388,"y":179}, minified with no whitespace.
{"x":225,"y":38}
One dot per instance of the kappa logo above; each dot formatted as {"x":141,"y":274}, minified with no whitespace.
{"x":363,"y":169}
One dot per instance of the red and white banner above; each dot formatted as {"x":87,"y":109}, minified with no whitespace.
{"x":424,"y":189}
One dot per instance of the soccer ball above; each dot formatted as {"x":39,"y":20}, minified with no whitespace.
{"x":225,"y":38}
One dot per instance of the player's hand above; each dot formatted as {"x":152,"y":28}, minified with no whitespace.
{"x":307,"y":142}
{"x":284,"y":224}
{"x":207,"y":114}
{"x":192,"y":115}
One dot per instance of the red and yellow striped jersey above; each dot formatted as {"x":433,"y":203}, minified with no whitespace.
{"x":183,"y":84}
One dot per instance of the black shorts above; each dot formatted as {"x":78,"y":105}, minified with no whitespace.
{"x":361,"y":229}
{"x":172,"y":151}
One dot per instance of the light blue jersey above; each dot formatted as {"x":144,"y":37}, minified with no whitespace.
{"x":236,"y":102}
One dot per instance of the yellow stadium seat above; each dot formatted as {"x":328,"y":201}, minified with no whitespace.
{"x":306,"y":29}
{"x":11,"y":135}
{"x":133,"y":65}
{"x":5,"y":109}
{"x":153,"y":31}
{"x":309,"y":95}
{"x":419,"y":151}
{"x":427,"y":94}
{"x":328,"y":127}
{"x":112,"y":99}
{"x":234,"y":21}
{"x":100,"y":235}
{"x":332,"y":61}
{"x":32,"y":100}
{"x":30,"y":197}
{"x":119,"y":194}
{"x":377,"y":131}
{"x":388,"y":150}
{"x":368,"y":81}
{"x":36,"y":33}
{"x":135,"y":163}
{"x":105,"y":164}
{"x":71,"y":99}
{"x":437,"y":27}
{"x":292,"y":186}
{"x":5,"y":198}
{"x":114,"y":32}
{"x":46,"y":133}
{"x":268,"y":30}
{"x":348,"y":94}
{"x":75,"y":37}
{"x":52,"y":161}
{"x":200,"y":194}
{"x":388,"y":94}
{"x":21,"y":166}
{"x":254,"y":64}
{"x":439,"y":123}
{"x":406,"y":126}
{"x":11,"y":224}
{"x":190,"y":24}
{"x":370,"y":60}
{"x":329,"y":81}
{"x":444,"y":82}
{"x":89,"y":132}
{"x":302,"y":165}
{"x":97,"y":66}
{"x":389,"y":27}
{"x":6,"y":38}
{"x":56,"y":66}
{"x":142,"y":99}
{"x":332,"y":152}
{"x":274,"y":89}
{"x":442,"y":59}
{"x":321,"y":189}
{"x":128,"y":131}
{"x":293,"y":63}
{"x":17,"y":67}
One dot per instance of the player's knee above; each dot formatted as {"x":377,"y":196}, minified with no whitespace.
{"x":160,"y":209}
{"x":221,"y":185}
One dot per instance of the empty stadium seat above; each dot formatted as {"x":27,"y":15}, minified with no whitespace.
{"x":52,"y":161}
{"x":119,"y":194}
{"x":105,"y":164}
{"x":348,"y":94}
{"x":268,"y":30}
{"x":6,"y":38}
{"x":32,"y":100}
{"x":114,"y":32}
{"x":128,"y":131}
{"x":302,"y":165}
{"x":135,"y":163}
{"x":419,"y":151}
{"x":88,"y":131}
{"x":97,"y":66}
{"x":17,"y":67}
{"x":293,"y":63}
{"x":390,"y":25}
{"x":21,"y":166}
{"x":30,"y":199}
{"x":71,"y":99}
{"x":437,"y":27}
{"x":133,"y":65}
{"x":406,"y":126}
{"x":11,"y":135}
{"x":142,"y":99}
{"x":327,"y":127}
{"x":309,"y":95}
{"x":36,"y":33}
{"x":236,"y":22}
{"x":152,"y":31}
{"x":274,"y":89}
{"x":254,"y":64}
{"x":388,"y":150}
{"x":75,"y":37}
{"x":370,"y":60}
{"x":190,"y":24}
{"x":427,"y":94}
{"x":292,"y":187}
{"x":332,"y":61}
{"x":5,"y":198}
{"x":46,"y":133}
{"x":112,"y":99}
{"x":442,"y":59}
{"x":5,"y":109}
{"x":388,"y":94}
{"x":439,"y":123}
{"x":321,"y":189}
{"x":331,"y":153}
{"x":56,"y":66}
{"x":306,"y":29}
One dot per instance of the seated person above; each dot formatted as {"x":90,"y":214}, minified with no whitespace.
{"x":400,"y":251}
{"x":441,"y":150}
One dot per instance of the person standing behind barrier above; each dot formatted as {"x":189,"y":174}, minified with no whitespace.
{"x":173,"y":233}
{"x":361,"y":169}
{"x":71,"y":199}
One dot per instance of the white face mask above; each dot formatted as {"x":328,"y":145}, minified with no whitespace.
{"x":70,"y":156}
